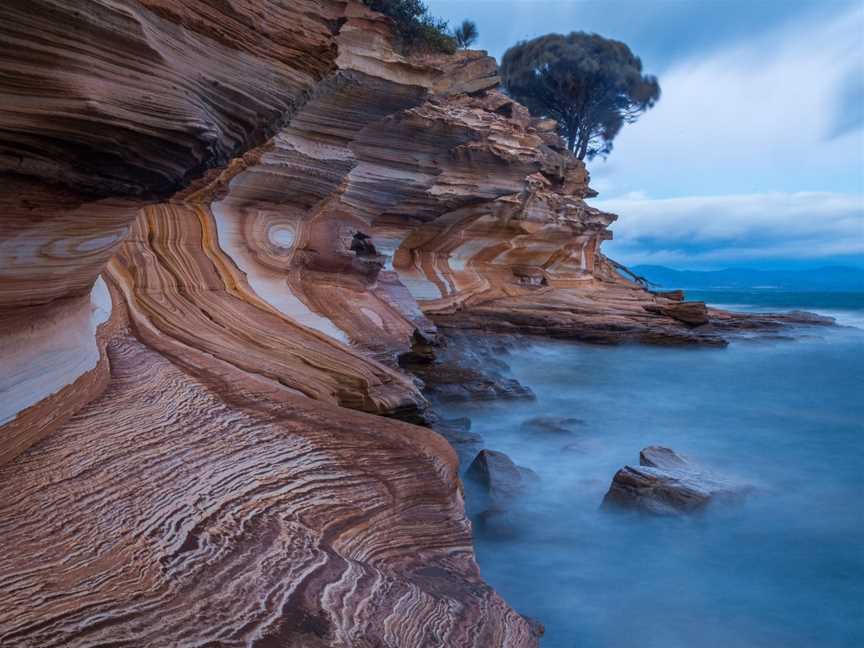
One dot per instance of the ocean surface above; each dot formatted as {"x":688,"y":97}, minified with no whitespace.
{"x":783,"y":569}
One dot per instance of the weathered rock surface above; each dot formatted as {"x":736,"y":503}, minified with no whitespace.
{"x":467,"y":368}
{"x":171,"y":511}
{"x":186,"y":315}
{"x":693,"y":313}
{"x":225,"y":225}
{"x":665,"y":483}
{"x":674,"y":295}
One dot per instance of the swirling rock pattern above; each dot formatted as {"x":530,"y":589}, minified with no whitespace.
{"x":288,"y":524}
{"x":186,"y":319}
{"x":225,"y":223}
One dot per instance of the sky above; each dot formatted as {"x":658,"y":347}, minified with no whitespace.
{"x":754,"y":155}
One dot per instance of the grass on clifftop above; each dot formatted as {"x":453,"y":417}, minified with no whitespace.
{"x":418,"y":31}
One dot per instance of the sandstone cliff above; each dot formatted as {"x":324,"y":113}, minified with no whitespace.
{"x":223,"y":223}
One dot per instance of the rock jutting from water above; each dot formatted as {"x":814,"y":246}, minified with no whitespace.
{"x":499,"y":476}
{"x":501,"y":482}
{"x":224,"y":224}
{"x":665,"y":483}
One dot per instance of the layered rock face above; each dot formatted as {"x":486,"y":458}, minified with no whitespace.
{"x":224,"y":223}
{"x":180,"y":298}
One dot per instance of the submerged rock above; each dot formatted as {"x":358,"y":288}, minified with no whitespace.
{"x":665,"y":483}
{"x":732,"y":322}
{"x":458,"y":433}
{"x":503,"y":481}
{"x":479,"y":388}
{"x":806,"y":317}
{"x":497,"y":524}
{"x":552,"y":424}
{"x":469,"y":368}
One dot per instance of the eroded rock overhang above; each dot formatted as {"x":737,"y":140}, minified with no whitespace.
{"x":185,"y":301}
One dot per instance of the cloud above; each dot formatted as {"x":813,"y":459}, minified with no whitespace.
{"x":712,"y":231}
{"x":770,"y":113}
{"x":656,"y":32}
{"x":753,"y":155}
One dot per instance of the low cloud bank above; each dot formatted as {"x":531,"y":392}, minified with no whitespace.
{"x":713,"y":231}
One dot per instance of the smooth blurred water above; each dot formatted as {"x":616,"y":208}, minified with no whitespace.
{"x":783,"y":569}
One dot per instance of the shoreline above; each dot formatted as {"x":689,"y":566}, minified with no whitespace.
{"x":494,"y":536}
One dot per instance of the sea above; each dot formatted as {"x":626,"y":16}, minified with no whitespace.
{"x":784,"y":568}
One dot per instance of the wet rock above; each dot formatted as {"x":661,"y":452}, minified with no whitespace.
{"x":660,"y":457}
{"x":665,"y":483}
{"x":497,"y":524}
{"x":528,"y":475}
{"x":806,"y":317}
{"x":552,"y":424}
{"x":463,"y":423}
{"x":766,"y":338}
{"x":458,"y":434}
{"x":536,"y":626}
{"x":468,"y":368}
{"x":502,"y":481}
{"x":479,"y":388}
{"x":496,"y":472}
{"x":732,"y":322}
{"x":582,"y":446}
{"x":423,"y":350}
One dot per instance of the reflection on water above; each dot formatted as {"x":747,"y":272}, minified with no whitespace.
{"x":783,"y":569}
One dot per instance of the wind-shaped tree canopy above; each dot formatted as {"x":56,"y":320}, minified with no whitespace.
{"x":590,"y":85}
{"x":465,"y":34}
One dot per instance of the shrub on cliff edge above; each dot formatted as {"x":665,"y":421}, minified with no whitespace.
{"x":417,"y":30}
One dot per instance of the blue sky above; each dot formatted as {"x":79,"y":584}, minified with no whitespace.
{"x":754,"y":155}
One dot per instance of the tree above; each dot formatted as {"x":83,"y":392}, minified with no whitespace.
{"x":590,"y":85}
{"x":466,"y":34}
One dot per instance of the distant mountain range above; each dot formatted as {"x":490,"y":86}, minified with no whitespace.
{"x":829,"y":278}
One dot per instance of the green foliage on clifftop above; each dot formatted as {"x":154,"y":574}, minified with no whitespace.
{"x":417,"y":30}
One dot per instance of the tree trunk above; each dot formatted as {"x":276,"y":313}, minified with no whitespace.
{"x":571,"y":140}
{"x":583,"y":147}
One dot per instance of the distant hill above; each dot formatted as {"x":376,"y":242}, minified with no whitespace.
{"x":829,"y":278}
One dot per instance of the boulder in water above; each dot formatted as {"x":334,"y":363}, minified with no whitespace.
{"x":497,"y":524}
{"x":502,"y":481}
{"x":496,"y":472}
{"x":665,"y":483}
